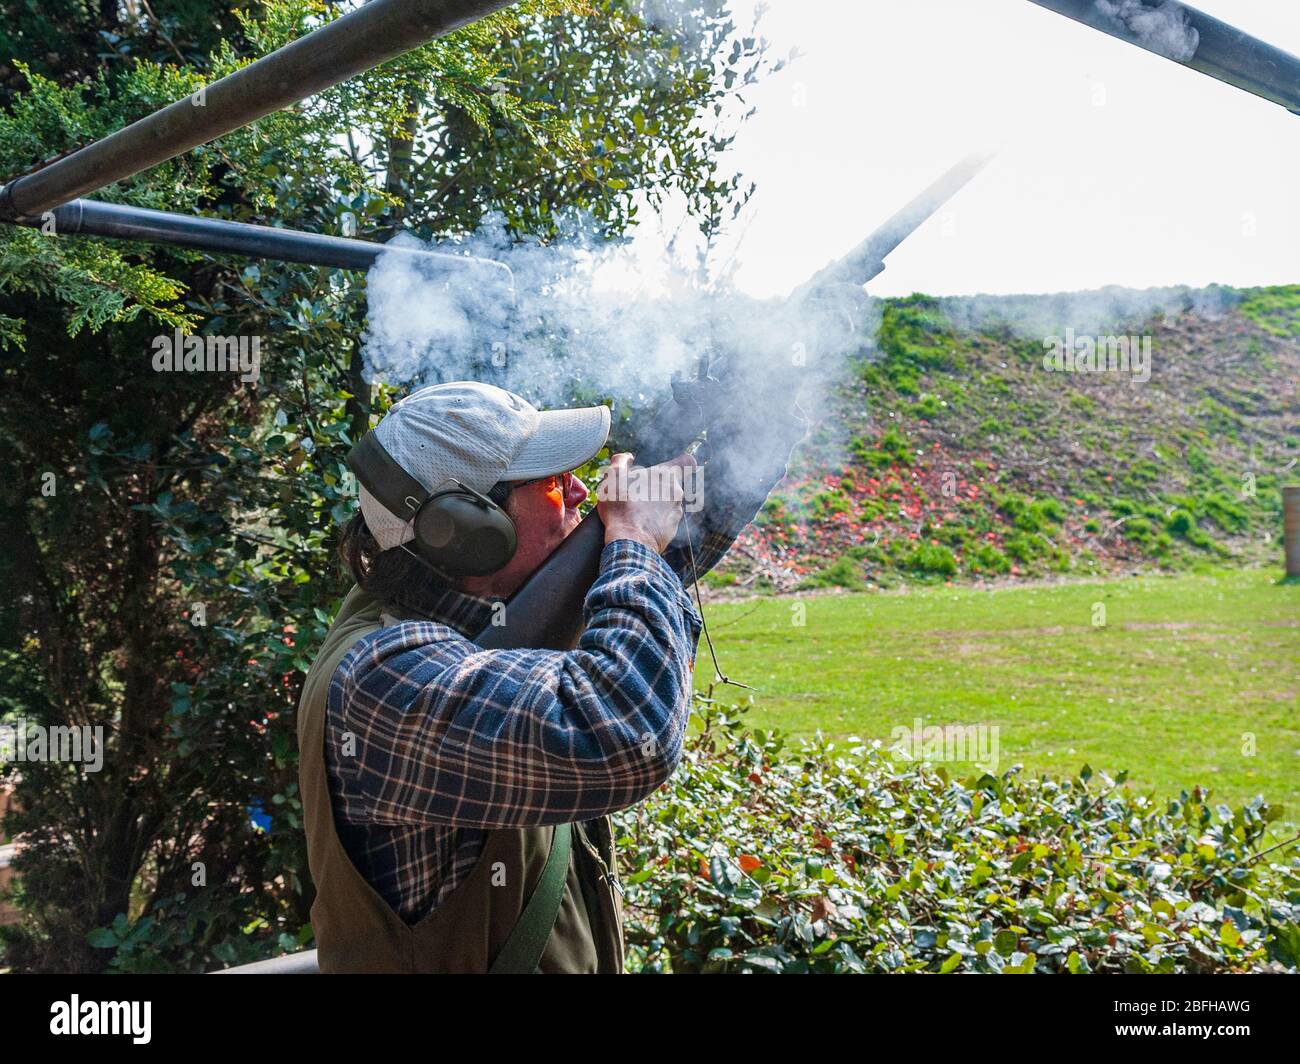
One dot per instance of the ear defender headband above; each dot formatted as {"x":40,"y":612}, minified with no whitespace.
{"x":458,"y":532}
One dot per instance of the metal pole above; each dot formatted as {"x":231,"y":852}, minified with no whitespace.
{"x":362,"y":39}
{"x":303,"y":963}
{"x":1291,"y":528}
{"x":90,"y":218}
{"x":1195,"y":39}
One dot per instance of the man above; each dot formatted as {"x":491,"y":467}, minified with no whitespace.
{"x":456,"y":799}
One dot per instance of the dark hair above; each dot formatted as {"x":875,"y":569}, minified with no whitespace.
{"x":386,"y":574}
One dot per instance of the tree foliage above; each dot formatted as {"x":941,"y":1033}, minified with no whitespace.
{"x":166,"y":537}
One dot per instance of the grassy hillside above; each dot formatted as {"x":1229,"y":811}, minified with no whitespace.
{"x":955,"y":455}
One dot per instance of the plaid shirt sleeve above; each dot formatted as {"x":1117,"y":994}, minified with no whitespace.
{"x":448,"y":733}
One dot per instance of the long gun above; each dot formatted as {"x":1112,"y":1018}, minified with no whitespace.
{"x":1194,"y":39}
{"x":867,"y":260}
{"x":546,"y":611}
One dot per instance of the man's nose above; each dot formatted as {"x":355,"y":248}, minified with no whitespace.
{"x":575,"y":491}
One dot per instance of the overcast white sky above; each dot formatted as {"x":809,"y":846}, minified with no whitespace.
{"x":1163,"y":184}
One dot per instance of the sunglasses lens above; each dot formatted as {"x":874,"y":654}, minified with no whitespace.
{"x":556,"y":482}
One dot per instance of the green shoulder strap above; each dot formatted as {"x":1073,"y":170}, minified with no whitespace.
{"x":523,"y":950}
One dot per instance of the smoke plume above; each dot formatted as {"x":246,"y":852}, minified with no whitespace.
{"x":1095,"y":313}
{"x":589,"y":322}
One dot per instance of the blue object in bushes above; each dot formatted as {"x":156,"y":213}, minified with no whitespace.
{"x":260,"y":817}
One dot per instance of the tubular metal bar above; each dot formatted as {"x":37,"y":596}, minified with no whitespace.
{"x":1222,"y":51}
{"x":359,"y":40}
{"x":90,"y":218}
{"x":303,"y":963}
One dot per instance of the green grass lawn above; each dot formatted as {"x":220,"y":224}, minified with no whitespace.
{"x":1184,"y":672}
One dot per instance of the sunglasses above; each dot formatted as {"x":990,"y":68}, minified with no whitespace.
{"x":551,"y":483}
{"x":555,"y":482}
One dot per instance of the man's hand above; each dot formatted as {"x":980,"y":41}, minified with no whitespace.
{"x":643,"y":504}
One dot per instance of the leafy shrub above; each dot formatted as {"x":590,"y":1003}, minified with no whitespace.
{"x":933,"y":558}
{"x":827,"y":503}
{"x":928,"y":406}
{"x":1142,"y":472}
{"x":755,"y":858}
{"x":1034,"y":515}
{"x":1049,"y":510}
{"x":1139,"y":529}
{"x":891,"y":449}
{"x":988,"y":559}
{"x":954,"y":535}
{"x":844,"y":572}
{"x":1181,"y":523}
{"x":872,"y":508}
{"x":1023,"y":547}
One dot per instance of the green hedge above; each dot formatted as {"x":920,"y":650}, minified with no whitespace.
{"x":759,"y":858}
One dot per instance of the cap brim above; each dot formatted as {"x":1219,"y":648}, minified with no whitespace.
{"x":563,"y":440}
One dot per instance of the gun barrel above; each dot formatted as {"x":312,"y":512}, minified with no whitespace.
{"x":357,"y":41}
{"x":114,"y":220}
{"x":867,"y":260}
{"x":1195,"y":39}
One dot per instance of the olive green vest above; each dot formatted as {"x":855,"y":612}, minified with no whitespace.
{"x":357,"y":931}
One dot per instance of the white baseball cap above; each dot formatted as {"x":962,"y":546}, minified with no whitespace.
{"x":480,"y":435}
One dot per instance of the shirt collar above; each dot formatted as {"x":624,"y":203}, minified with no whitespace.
{"x":468,"y":614}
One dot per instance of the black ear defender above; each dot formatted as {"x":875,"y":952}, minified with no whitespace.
{"x":458,"y":531}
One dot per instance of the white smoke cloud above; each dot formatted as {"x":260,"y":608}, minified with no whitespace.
{"x":1097,"y":312}
{"x":592,"y":321}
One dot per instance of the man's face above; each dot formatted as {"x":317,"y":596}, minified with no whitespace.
{"x":544,"y":512}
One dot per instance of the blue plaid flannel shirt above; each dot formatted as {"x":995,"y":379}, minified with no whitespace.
{"x":431,"y":742}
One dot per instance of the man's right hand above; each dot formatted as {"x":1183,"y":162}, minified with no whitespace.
{"x":643,"y":504}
